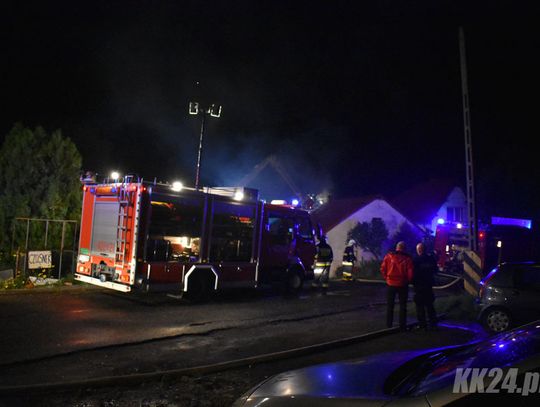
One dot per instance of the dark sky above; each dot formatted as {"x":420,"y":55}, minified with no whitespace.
{"x":353,"y":97}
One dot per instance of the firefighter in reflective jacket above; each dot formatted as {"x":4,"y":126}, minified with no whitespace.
{"x":323,"y":261}
{"x":348,"y":261}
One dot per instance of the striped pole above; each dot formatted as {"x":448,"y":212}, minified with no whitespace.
{"x":472,"y":267}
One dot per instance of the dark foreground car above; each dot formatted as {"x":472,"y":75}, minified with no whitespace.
{"x":509,"y":295}
{"x":416,"y":378}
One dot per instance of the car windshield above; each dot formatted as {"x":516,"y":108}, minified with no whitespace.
{"x":437,"y":369}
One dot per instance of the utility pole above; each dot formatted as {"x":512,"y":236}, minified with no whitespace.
{"x":471,"y":204}
{"x":194,"y":109}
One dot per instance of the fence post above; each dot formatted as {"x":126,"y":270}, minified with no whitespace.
{"x":61,"y":249}
{"x":46,"y":232}
{"x":26,"y":245}
{"x":73,"y":252}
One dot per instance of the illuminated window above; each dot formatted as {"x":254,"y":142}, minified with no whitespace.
{"x":175,"y":230}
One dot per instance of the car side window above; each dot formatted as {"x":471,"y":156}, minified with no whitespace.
{"x":527,"y":278}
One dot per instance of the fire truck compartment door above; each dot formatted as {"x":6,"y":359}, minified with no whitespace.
{"x":104,"y":229}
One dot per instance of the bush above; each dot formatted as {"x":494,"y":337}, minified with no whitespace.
{"x":370,"y":269}
{"x":13,"y":283}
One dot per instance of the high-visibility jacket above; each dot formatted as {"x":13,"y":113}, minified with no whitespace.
{"x":324,"y":255}
{"x":348,"y":256}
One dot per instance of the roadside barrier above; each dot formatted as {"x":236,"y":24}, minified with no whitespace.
{"x":472,"y":267}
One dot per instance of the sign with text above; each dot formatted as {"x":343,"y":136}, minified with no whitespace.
{"x":40,"y":260}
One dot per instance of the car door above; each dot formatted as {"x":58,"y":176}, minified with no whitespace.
{"x":525,"y":296}
{"x":305,"y":243}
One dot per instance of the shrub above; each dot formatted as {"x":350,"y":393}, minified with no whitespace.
{"x":370,"y":269}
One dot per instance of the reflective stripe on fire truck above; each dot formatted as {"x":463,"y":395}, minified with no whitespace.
{"x":106,"y":284}
{"x":472,"y":267}
{"x":193,"y":268}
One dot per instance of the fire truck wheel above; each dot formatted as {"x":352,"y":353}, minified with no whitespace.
{"x":199,"y":288}
{"x":294,"y":281}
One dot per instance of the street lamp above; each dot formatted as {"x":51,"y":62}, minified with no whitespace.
{"x":194,"y":109}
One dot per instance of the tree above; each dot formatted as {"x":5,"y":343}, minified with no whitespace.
{"x":39,"y":178}
{"x":408,"y":235}
{"x":370,"y":236}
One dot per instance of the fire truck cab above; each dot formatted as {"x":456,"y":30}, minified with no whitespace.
{"x":161,"y":237}
{"x":503,"y":239}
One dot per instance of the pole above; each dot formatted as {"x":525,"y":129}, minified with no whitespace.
{"x":26,"y":245}
{"x":200,"y":150}
{"x":61,"y":249}
{"x":73,"y":253}
{"x":471,"y":205}
{"x":46,"y":232}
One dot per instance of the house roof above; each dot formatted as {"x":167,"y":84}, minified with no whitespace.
{"x":335,"y":211}
{"x":421,"y":202}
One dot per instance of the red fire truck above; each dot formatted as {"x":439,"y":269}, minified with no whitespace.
{"x":503,"y":239}
{"x":161,"y":237}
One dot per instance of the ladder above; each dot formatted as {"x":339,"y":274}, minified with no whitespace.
{"x":124,"y":199}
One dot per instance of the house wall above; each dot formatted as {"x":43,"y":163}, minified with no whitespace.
{"x":456,"y":198}
{"x":379,"y":208}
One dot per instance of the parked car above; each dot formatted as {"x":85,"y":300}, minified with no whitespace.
{"x":409,"y":378}
{"x":509,"y":295}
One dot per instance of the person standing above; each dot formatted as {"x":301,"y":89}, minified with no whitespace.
{"x":425,"y":267}
{"x":349,"y":259}
{"x":397,"y":270}
{"x":323,"y":261}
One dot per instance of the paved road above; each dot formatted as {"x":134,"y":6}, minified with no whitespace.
{"x":101,"y":333}
{"x":38,"y":325}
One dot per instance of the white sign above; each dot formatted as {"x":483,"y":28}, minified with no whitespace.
{"x":40,"y":260}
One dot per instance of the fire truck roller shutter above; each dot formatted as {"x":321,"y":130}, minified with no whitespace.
{"x":200,"y":281}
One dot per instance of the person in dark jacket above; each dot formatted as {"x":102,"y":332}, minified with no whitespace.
{"x":425,"y":267}
{"x":397,"y":270}
{"x":323,"y":261}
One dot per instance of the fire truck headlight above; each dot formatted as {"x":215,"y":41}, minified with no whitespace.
{"x":83,"y":258}
{"x":177,"y":186}
{"x":239,"y":195}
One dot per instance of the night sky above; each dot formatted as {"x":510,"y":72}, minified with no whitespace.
{"x":353,"y":97}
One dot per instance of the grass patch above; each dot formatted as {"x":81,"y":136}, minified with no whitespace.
{"x":20,"y":282}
